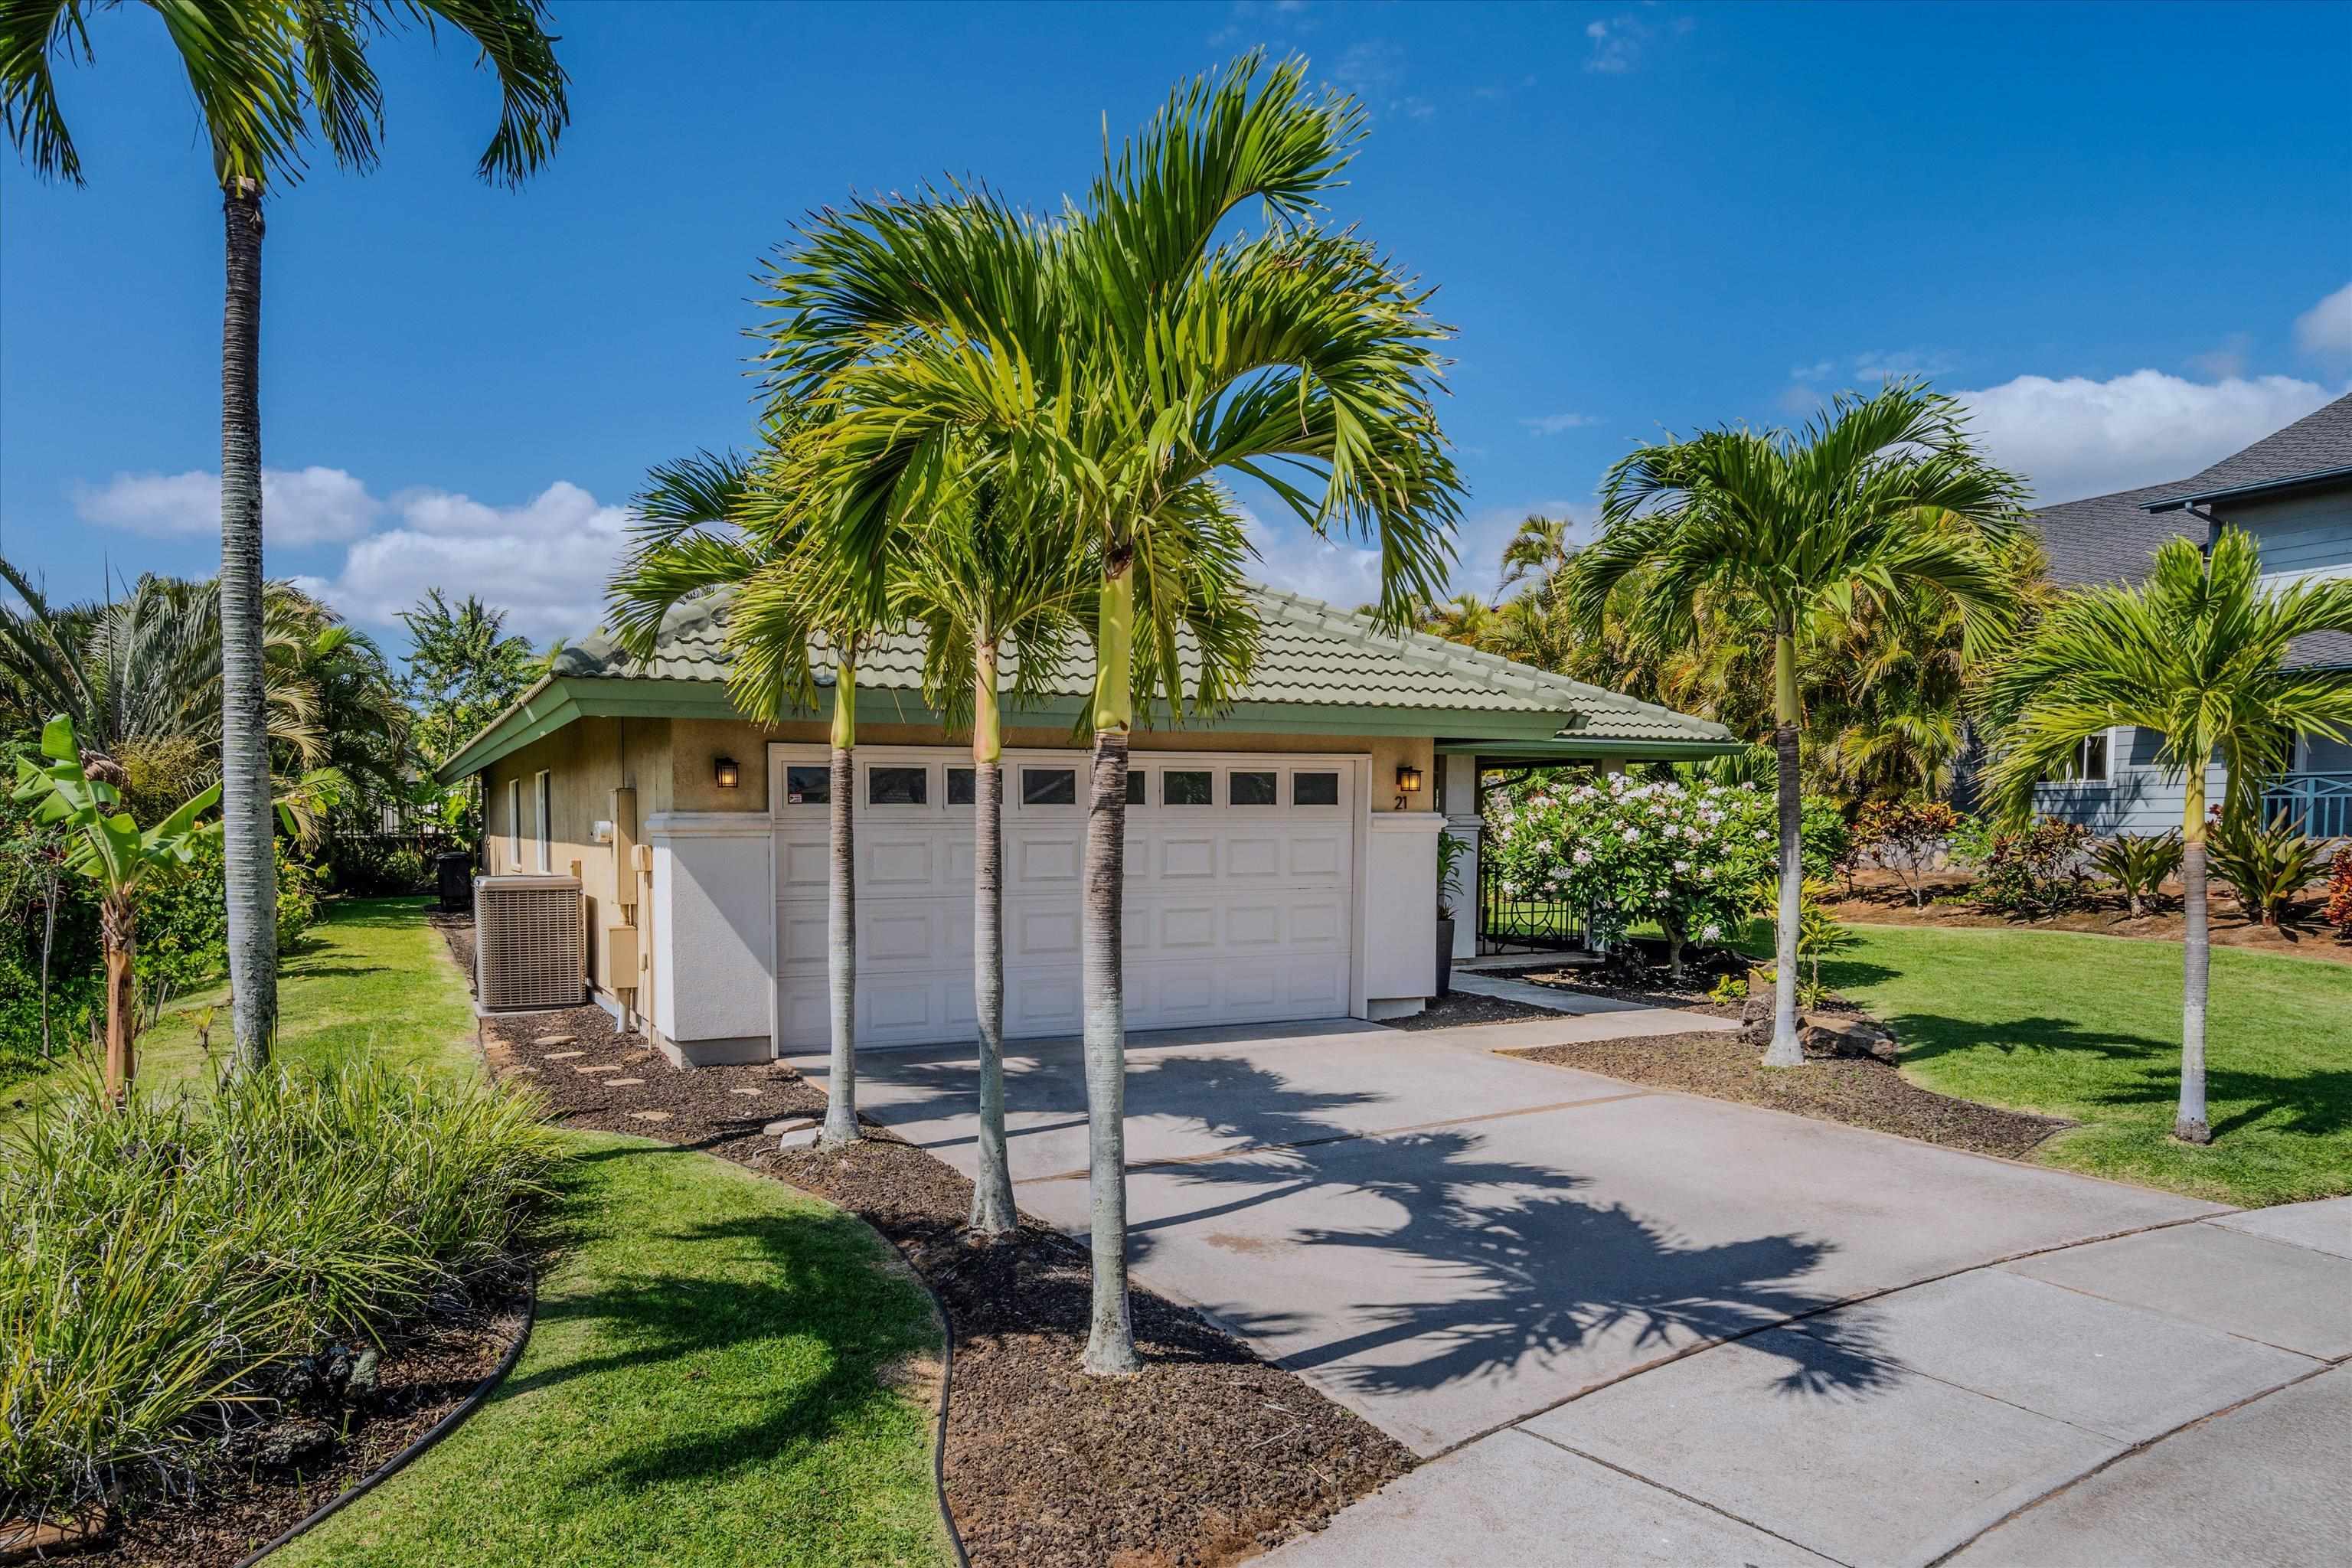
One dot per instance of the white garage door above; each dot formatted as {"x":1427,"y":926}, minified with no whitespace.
{"x":1239,"y":891}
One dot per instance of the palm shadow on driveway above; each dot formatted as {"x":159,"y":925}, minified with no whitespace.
{"x":1509,"y":1268}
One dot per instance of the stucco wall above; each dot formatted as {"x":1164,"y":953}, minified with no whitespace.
{"x":585,"y":762}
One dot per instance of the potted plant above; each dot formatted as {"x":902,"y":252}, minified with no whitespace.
{"x":1449,"y":887}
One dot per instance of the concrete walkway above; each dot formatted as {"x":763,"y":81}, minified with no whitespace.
{"x":1627,"y":1325}
{"x":2176,"y":1397}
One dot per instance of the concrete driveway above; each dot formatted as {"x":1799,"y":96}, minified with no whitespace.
{"x":1518,"y":1271}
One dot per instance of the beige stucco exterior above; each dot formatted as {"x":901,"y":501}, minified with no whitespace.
{"x":670,"y":763}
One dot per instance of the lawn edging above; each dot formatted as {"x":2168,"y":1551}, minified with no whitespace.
{"x":424,"y":1441}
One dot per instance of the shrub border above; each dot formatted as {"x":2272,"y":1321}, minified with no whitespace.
{"x":438,"y":1430}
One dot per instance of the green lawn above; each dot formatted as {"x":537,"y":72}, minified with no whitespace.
{"x":705,"y":1386}
{"x":706,"y":1382}
{"x":2088,"y":1027}
{"x":369,"y":979}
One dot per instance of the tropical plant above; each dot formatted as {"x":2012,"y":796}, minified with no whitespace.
{"x":2267,"y":868}
{"x":1110,"y":360}
{"x":1876,"y":496}
{"x":1627,"y":852}
{"x":2198,"y":655}
{"x":2138,"y":864}
{"x":112,"y":851}
{"x":260,"y":71}
{"x":1908,"y":837}
{"x":1449,"y":851}
{"x":990,"y":584}
{"x":2338,"y":910}
{"x":2038,"y":871}
{"x":167,"y":1263}
{"x":1820,"y":934}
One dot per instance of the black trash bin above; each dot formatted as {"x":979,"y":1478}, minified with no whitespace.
{"x":453,"y":874}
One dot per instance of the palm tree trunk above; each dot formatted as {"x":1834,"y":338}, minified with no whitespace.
{"x":1785,"y":1051}
{"x":841,"y":916}
{"x":992,"y":1193}
{"x":2189,"y":1122}
{"x":117,"y":934}
{"x":250,"y":866}
{"x":1111,"y":1338}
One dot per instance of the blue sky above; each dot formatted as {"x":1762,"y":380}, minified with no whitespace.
{"x":2125,"y":232}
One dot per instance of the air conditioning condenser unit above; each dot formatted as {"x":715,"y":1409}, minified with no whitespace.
{"x":527,"y":942}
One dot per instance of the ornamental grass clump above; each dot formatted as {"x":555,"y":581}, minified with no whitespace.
{"x":158,"y":1264}
{"x":1684,"y":855}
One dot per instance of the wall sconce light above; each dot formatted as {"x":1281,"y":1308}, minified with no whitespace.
{"x":1408,"y":784}
{"x":725,"y":772}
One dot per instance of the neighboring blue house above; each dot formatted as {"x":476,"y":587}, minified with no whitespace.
{"x":2292,"y":491}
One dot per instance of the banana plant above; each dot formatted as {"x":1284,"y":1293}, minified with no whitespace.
{"x":113,"y":851}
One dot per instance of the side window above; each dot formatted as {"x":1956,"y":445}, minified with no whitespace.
{"x":544,"y":789}
{"x":514,"y":825}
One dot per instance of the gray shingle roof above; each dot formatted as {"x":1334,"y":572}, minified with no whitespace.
{"x":2109,"y":538}
{"x":1309,"y":653}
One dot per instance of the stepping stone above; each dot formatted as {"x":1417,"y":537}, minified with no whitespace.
{"x":796,"y":1132}
{"x":649,"y":1115}
{"x":563,"y":1056}
{"x":595,"y":1067}
{"x":554,"y":1039}
{"x":623,"y":1083}
{"x":740,"y":1089}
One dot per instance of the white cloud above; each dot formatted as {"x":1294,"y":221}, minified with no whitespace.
{"x":1553,"y":423}
{"x":2080,"y":437}
{"x":298,"y":506}
{"x":1291,"y":556}
{"x":2327,"y":328}
{"x":2225,"y":360}
{"x":544,"y":562}
{"x":1618,"y":43}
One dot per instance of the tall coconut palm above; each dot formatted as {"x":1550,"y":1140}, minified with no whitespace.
{"x":1874,"y":494}
{"x":2199,"y":654}
{"x":260,"y":72}
{"x":719,"y":523}
{"x":1117,"y":357}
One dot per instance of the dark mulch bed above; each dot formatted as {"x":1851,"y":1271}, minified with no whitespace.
{"x":427,"y":1372}
{"x":1461,"y":1007}
{"x":1651,"y":989}
{"x":1857,"y":1090}
{"x":1210,"y":1455}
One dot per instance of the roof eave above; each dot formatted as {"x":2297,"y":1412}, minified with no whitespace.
{"x":2316,"y":479}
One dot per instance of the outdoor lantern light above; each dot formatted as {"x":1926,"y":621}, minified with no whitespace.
{"x":724,"y":770}
{"x":1408,"y":784}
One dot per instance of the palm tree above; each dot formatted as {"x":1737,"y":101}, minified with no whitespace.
{"x":1873,"y":495}
{"x":1110,"y":360}
{"x":2198,"y":654}
{"x":987,"y":583}
{"x":260,"y":71}
{"x":712,"y":523}
{"x":110,"y":848}
{"x":1538,"y":551}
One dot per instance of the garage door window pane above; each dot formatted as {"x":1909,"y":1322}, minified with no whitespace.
{"x":897,"y":786}
{"x":1188,"y":786}
{"x":1049,"y":786}
{"x":961,"y":788}
{"x":808,"y":786}
{"x":1315,"y":789}
{"x":1138,"y":783}
{"x":1251,"y":789}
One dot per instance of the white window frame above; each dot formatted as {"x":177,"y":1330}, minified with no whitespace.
{"x":514,"y":824}
{"x":2081,"y":778}
{"x":543,"y":794}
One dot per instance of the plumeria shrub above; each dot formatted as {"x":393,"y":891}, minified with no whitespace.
{"x":1684,"y":855}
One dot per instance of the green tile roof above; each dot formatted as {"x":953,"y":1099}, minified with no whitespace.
{"x":1310,"y":653}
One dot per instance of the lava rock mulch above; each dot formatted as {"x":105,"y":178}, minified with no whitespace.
{"x":326,"y":1436}
{"x":1210,"y":1455}
{"x":1461,"y":1007}
{"x":1857,"y":1090}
